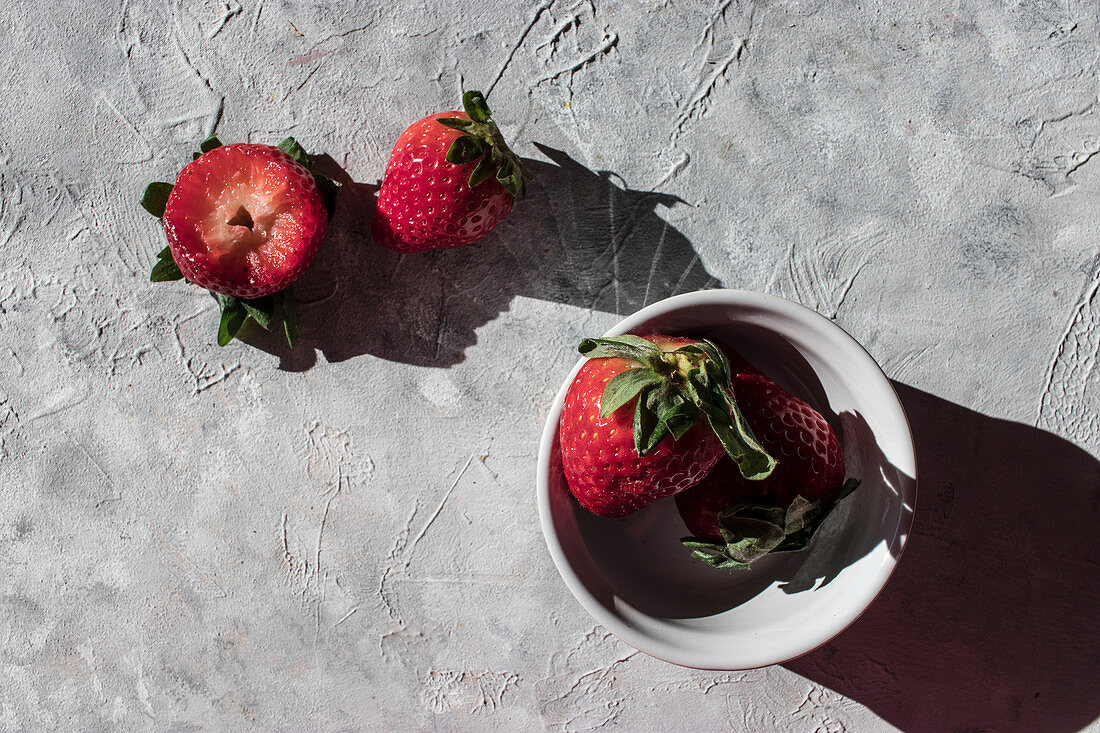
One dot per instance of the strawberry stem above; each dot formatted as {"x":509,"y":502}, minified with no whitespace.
{"x":482,"y":141}
{"x":752,"y":530}
{"x":674,"y":391}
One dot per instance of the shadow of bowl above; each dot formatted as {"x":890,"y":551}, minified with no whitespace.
{"x":990,"y":623}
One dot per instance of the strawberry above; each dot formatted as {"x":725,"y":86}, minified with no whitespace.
{"x":450,"y":179}
{"x":811,"y":463}
{"x":648,"y":417}
{"x":243,"y":221}
{"x":735,"y":521}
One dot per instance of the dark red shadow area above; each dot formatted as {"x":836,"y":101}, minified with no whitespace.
{"x":991,"y":621}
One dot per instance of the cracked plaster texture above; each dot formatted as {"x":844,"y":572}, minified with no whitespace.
{"x":345,"y":537}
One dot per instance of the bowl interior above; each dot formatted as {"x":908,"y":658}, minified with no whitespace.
{"x":637,"y":579}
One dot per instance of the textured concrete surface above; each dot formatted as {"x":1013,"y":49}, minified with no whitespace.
{"x":346,"y":537}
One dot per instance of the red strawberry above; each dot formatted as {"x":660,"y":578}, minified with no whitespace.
{"x":741,"y":520}
{"x":648,"y":417}
{"x":811,"y":463}
{"x":451,"y":178}
{"x":243,"y":221}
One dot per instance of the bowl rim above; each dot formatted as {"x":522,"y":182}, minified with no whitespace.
{"x":644,"y":642}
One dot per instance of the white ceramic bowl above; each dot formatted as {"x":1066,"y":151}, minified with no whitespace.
{"x":639,"y":582}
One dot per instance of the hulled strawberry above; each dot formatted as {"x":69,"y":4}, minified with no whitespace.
{"x":244,"y":222}
{"x":451,"y":178}
{"x":647,"y":417}
{"x":734,"y":521}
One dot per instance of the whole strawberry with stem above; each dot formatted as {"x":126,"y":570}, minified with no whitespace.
{"x":733,"y":521}
{"x":243,"y":222}
{"x":450,"y":180}
{"x":647,"y":417}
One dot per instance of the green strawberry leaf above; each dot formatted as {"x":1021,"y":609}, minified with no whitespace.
{"x":329,"y":190}
{"x":756,"y":463}
{"x":481,"y":171}
{"x":481,"y":141}
{"x":663,"y":399}
{"x":710,"y":350}
{"x":165,"y":270}
{"x":286,"y":303}
{"x":648,"y":430}
{"x":512,"y":184}
{"x":233,"y":317}
{"x":291,"y":147}
{"x":724,"y":416}
{"x":628,"y":346}
{"x":671,"y":409}
{"x":624,"y":387}
{"x":691,"y":383}
{"x":456,"y":123}
{"x":476,"y":107}
{"x":210,"y":143}
{"x":155,"y":198}
{"x":262,"y":310}
{"x":465,"y":149}
{"x":680,"y":419}
{"x":750,"y":531}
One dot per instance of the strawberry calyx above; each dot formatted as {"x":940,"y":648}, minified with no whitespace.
{"x":481,"y":140}
{"x":269,"y":310}
{"x":675,"y":390}
{"x":752,"y":530}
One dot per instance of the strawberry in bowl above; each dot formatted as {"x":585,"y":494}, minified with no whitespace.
{"x":647,"y":417}
{"x":450,"y":180}
{"x":243,"y":221}
{"x":733,"y":521}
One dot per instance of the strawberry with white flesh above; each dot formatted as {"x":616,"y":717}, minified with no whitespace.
{"x":450,"y":180}
{"x":647,"y":417}
{"x":733,"y":521}
{"x":244,"y":222}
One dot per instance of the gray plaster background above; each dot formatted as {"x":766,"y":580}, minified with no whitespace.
{"x":346,"y":537}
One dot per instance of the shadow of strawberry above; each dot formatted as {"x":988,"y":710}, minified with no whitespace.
{"x":580,"y":238}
